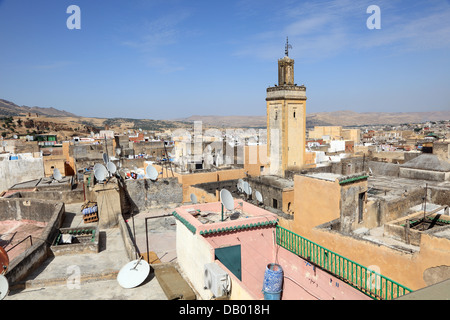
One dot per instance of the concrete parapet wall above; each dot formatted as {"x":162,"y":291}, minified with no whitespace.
{"x":73,"y":196}
{"x":16,"y":171}
{"x":52,"y":213}
{"x":424,"y":174}
{"x":145,"y":193}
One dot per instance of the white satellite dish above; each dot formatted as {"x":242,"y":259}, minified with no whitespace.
{"x":4,"y":287}
{"x":133,"y":273}
{"x":101,"y":173}
{"x":151,"y":173}
{"x":96,"y":166}
{"x":193,"y":198}
{"x":240,"y":185}
{"x":57,"y":175}
{"x":111,"y":167}
{"x":227,"y":199}
{"x":249,"y":190}
{"x":258,"y":196}
{"x":245,"y":187}
{"x":105,"y":158}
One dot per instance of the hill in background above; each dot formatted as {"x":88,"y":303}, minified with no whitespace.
{"x":8,"y":108}
{"x":336,"y":118}
{"x":54,"y":119}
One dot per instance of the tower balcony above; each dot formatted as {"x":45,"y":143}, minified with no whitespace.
{"x":286,"y":92}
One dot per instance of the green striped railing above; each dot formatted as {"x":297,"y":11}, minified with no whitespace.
{"x":367,"y":281}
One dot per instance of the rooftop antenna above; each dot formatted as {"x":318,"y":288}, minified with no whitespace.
{"x":111,"y":167}
{"x":57,"y":176}
{"x":259,"y":197}
{"x":101,"y":173}
{"x":151,"y":173}
{"x":240,"y":185}
{"x":4,"y":287}
{"x":227,"y":200}
{"x":4,"y":263}
{"x":105,"y":158}
{"x":287,"y":47}
{"x":133,"y":273}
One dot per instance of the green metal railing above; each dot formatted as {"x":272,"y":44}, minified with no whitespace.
{"x":367,"y":281}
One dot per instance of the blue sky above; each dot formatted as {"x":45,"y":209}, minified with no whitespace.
{"x":171,"y":59}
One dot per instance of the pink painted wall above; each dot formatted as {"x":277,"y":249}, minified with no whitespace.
{"x":256,"y":253}
{"x":302,"y":281}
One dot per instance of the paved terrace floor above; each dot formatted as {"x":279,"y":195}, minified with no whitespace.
{"x":98,"y":271}
{"x":12,"y":233}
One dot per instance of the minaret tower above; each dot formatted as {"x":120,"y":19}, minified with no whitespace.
{"x":286,"y":120}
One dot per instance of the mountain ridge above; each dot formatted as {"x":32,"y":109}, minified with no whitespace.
{"x":332,"y":118}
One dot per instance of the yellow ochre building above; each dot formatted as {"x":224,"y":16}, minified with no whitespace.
{"x":286,"y":120}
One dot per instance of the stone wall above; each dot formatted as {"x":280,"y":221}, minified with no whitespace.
{"x":142,"y":194}
{"x":51,"y":212}
{"x":424,"y":174}
{"x":16,"y":171}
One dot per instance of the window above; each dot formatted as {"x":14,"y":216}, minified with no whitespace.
{"x":231,"y":258}
{"x":294,"y":114}
{"x":275,"y":203}
{"x":361,"y":198}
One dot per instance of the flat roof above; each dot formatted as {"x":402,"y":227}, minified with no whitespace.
{"x":46,"y":182}
{"x":208,"y":217}
{"x":324,"y":176}
{"x":438,"y":291}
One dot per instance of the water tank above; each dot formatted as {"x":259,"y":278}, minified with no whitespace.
{"x":273,"y":282}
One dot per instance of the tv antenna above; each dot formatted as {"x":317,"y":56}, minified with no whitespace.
{"x":133,"y":273}
{"x":57,"y":176}
{"x":151,"y":173}
{"x":105,"y":158}
{"x":4,"y":287}
{"x":259,"y":197}
{"x":287,"y":47}
{"x":227,"y":201}
{"x":247,"y":189}
{"x":101,"y":173}
{"x":240,"y":185}
{"x":111,"y":167}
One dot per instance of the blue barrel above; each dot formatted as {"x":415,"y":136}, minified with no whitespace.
{"x":273,"y":282}
{"x":272,"y":295}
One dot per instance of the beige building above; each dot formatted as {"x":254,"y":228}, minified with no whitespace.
{"x":286,"y":120}
{"x":330,"y":133}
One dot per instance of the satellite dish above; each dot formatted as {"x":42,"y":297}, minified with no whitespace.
{"x":133,"y":273}
{"x":193,"y":198}
{"x":250,"y":190}
{"x":151,"y":173}
{"x":105,"y":158}
{"x":258,"y":196}
{"x":101,"y":173}
{"x":111,"y":167}
{"x":96,"y":166}
{"x":245,"y":187}
{"x":57,"y":175}
{"x":4,"y":287}
{"x":4,"y":261}
{"x":240,"y":185}
{"x":227,"y":199}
